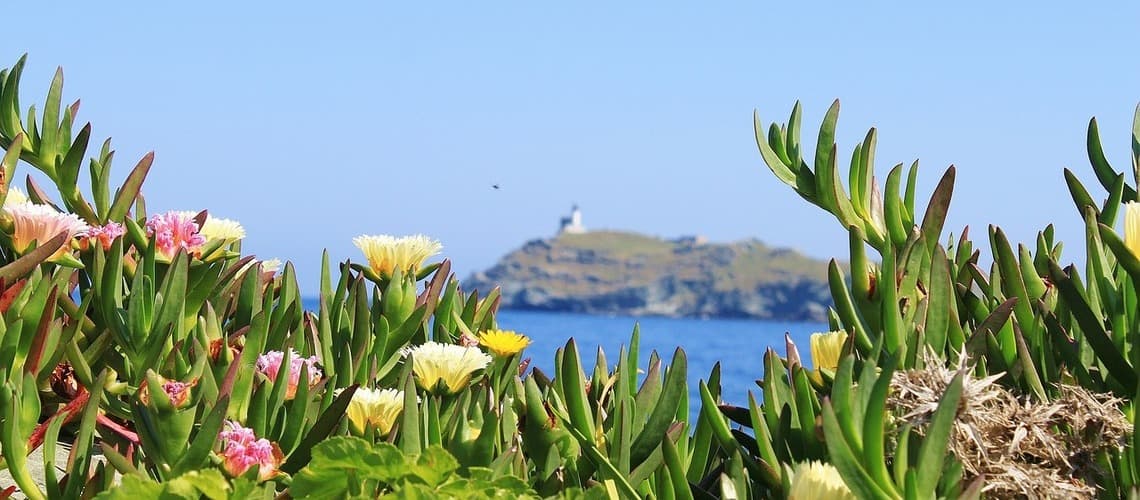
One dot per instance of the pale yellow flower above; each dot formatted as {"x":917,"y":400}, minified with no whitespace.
{"x":40,"y":223}
{"x":826,"y":349}
{"x":387,"y":253}
{"x":812,"y":480}
{"x":376,"y":408}
{"x":1132,"y":227}
{"x":270,"y":265}
{"x":446,"y":368}
{"x":217,"y":228}
{"x":503,"y":342}
{"x":15,"y":197}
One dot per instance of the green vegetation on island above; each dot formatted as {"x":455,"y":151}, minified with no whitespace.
{"x":612,"y":272}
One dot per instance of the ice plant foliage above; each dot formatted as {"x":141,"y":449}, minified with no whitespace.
{"x":503,"y":342}
{"x":241,"y":449}
{"x":39,"y":223}
{"x":387,"y":253}
{"x":812,"y":480}
{"x":269,"y":364}
{"x":826,"y":348}
{"x":446,"y":368}
{"x":174,"y":231}
{"x":1043,"y":413}
{"x":376,"y":408}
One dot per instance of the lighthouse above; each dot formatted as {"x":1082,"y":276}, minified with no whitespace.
{"x":573,"y":223}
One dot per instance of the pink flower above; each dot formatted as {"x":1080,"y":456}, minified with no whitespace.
{"x":105,"y":235}
{"x":173,"y":231}
{"x":270,"y":363}
{"x":177,"y":392}
{"x":242,"y":450}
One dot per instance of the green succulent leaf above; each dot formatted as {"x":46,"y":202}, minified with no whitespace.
{"x":850,"y":466}
{"x":1104,"y":172}
{"x":664,"y":411}
{"x":1091,"y":326}
{"x":932,"y":453}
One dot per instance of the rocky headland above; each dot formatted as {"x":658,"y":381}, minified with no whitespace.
{"x":609,"y":272}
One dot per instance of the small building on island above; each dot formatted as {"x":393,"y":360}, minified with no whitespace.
{"x":692,"y":240}
{"x":573,"y":223}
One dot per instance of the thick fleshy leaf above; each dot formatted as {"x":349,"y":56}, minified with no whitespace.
{"x":1104,"y":172}
{"x":932,"y":453}
{"x":664,"y":411}
{"x":939,"y":204}
{"x":1092,"y":327}
{"x":850,"y":466}
{"x":771,"y":159}
{"x":325,"y":425}
{"x":574,"y":389}
{"x":25,"y":263}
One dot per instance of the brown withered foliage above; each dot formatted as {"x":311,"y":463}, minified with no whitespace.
{"x":1020,"y":447}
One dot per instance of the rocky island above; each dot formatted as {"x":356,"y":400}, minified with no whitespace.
{"x":612,"y":272}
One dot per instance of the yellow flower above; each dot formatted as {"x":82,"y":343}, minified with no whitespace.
{"x":1132,"y":227}
{"x":826,"y":348}
{"x":503,"y":342}
{"x":376,"y":408}
{"x":387,"y":253}
{"x":811,"y":480}
{"x":40,"y":223}
{"x":446,"y":368}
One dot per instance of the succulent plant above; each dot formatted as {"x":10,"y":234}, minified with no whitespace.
{"x":197,"y":370}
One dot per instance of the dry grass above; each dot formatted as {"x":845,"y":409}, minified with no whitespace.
{"x":1021,"y":448}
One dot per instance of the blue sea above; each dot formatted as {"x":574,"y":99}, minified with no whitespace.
{"x":738,"y":345}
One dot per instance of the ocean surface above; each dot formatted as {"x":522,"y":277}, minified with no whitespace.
{"x":738,"y":345}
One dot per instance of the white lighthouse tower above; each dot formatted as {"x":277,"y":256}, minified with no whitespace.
{"x":573,"y":223}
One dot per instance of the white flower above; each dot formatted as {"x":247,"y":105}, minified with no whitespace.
{"x":270,"y":265}
{"x":446,"y":368}
{"x":40,"y":223}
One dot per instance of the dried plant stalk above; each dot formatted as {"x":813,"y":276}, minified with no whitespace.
{"x":1022,"y":448}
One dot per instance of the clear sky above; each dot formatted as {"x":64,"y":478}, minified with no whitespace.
{"x":315,"y":122}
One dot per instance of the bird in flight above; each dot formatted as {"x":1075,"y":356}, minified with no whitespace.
{"x":496,"y":186}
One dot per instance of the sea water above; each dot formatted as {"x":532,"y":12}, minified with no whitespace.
{"x":738,"y":345}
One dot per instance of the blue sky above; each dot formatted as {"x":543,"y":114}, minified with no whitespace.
{"x":314,"y":125}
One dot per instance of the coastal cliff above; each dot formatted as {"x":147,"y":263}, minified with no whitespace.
{"x":609,"y":272}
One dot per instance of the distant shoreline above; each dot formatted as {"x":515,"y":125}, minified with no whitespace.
{"x":625,"y":273}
